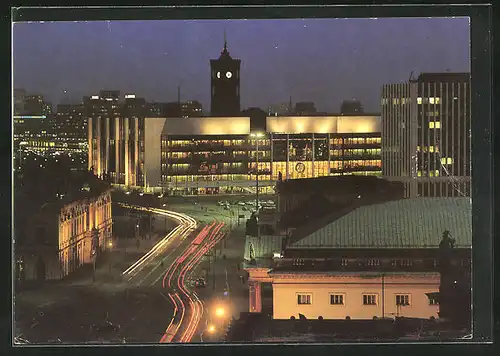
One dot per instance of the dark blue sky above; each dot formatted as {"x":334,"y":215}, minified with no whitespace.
{"x":324,"y":61}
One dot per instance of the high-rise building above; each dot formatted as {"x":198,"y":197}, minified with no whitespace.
{"x":156,"y":109}
{"x":351,"y":107}
{"x":426,"y":134}
{"x":33,"y":105}
{"x":19,"y":95}
{"x":305,"y":108}
{"x":279,"y":109}
{"x":190,"y":108}
{"x":225,"y":84}
{"x":115,"y":137}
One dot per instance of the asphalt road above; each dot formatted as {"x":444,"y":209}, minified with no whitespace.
{"x":142,"y":312}
{"x":188,"y":307}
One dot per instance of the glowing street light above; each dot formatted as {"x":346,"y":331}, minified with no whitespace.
{"x":110,"y":244}
{"x":211,"y":329}
{"x":220,"y":312}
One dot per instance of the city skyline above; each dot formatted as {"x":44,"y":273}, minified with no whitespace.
{"x":395,"y":47}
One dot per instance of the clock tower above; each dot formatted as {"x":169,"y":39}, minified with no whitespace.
{"x":225,"y":84}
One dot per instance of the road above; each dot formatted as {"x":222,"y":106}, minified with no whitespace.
{"x":170,"y":265}
{"x":188,"y":307}
{"x":148,"y":270}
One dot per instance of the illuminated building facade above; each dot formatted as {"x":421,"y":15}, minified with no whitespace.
{"x":359,"y":266}
{"x":116,"y":137}
{"x":211,"y":155}
{"x":219,"y":154}
{"x":317,"y":146}
{"x":426,"y":134}
{"x":61,"y":237}
{"x":49,"y":135}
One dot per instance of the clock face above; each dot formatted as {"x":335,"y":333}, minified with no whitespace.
{"x":218,"y":75}
{"x":300,"y":167}
{"x":229,"y":75}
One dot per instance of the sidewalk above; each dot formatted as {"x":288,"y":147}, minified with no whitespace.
{"x":107,"y":275}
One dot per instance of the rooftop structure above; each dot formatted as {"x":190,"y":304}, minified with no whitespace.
{"x":407,"y":223}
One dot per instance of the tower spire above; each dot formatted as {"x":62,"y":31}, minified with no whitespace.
{"x":225,"y":41}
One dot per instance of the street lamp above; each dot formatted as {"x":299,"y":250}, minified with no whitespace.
{"x":257,"y":136}
{"x":211,"y":329}
{"x":220,"y":312}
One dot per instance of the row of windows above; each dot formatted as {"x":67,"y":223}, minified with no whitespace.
{"x":356,"y":152}
{"x":403,"y":101}
{"x":367,"y":299}
{"x":434,"y":124}
{"x":374,"y":262}
{"x":428,"y":149}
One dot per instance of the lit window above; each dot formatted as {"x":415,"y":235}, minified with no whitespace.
{"x":435,"y":125}
{"x":431,"y":100}
{"x":402,"y":299}
{"x":369,"y":299}
{"x":336,"y":299}
{"x":304,"y":299}
{"x":446,"y":160}
{"x":433,"y":300}
{"x":431,"y":148}
{"x":419,"y":100}
{"x":436,"y":173}
{"x":418,"y":148}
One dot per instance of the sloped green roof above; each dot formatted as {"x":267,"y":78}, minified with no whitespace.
{"x":407,"y":223}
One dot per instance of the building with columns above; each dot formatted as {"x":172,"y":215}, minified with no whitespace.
{"x":64,"y":234}
{"x":208,"y":155}
{"x":378,"y":261}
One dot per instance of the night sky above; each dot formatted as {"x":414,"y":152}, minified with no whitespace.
{"x":325,"y":61}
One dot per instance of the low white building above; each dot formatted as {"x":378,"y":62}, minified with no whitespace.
{"x":379,"y":261}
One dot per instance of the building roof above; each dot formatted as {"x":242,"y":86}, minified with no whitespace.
{"x":341,"y":124}
{"x":207,"y":126}
{"x":443,"y":77}
{"x":264,"y":247}
{"x":342,"y":184}
{"x":407,"y":223}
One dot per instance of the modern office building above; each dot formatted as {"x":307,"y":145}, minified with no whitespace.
{"x":351,"y":107}
{"x":378,"y":261}
{"x":281,"y":109}
{"x":214,"y":154}
{"x":190,"y":108}
{"x":50,"y":135}
{"x":225,"y":85}
{"x":426,"y":134}
{"x":19,"y":95}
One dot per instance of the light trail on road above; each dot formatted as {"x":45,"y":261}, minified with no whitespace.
{"x":196,"y":305}
{"x":196,"y":315}
{"x":186,"y":225}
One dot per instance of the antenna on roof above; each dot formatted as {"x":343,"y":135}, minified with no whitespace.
{"x":411,"y":77}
